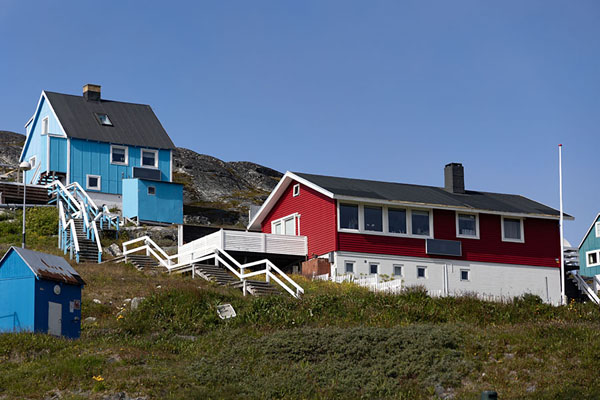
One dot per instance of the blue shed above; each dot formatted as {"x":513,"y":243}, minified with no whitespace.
{"x":39,"y":292}
{"x":589,"y":250}
{"x":149,"y":200}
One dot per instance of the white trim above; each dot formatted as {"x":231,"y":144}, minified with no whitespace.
{"x":87,"y":182}
{"x":589,"y":230}
{"x":155,"y":166}
{"x":48,"y":153}
{"x":68,"y":161}
{"x":115,"y":146}
{"x":458,"y":235}
{"x":170,"y":165}
{"x":33,"y":163}
{"x":504,"y":239}
{"x":296,"y":190}
{"x":587,"y":258}
{"x":46,"y":121}
{"x":282,"y":220}
{"x":597,"y":229}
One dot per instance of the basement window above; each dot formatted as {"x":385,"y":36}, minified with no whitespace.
{"x":373,"y":268}
{"x":93,"y":182}
{"x":421,"y":272}
{"x":464,"y":275}
{"x":397,"y":270}
{"x":103,"y":119}
{"x":349,"y":267}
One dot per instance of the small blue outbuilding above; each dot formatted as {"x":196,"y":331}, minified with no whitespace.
{"x":39,"y":292}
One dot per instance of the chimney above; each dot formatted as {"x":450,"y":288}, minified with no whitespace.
{"x":454,"y":178}
{"x":91,"y":92}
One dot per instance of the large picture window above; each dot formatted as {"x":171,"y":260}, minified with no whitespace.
{"x":393,"y":221}
{"x":420,"y":222}
{"x":396,"y":220}
{"x":373,"y":219}
{"x":348,"y":216}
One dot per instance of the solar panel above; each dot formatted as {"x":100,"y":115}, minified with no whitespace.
{"x":441,"y":247}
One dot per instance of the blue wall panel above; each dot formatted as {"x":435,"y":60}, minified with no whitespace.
{"x":71,"y":318}
{"x":591,"y":242}
{"x":166,"y":205}
{"x":58,"y":154}
{"x":17,"y":285}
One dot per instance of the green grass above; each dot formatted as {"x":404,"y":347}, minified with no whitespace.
{"x":338,"y":341}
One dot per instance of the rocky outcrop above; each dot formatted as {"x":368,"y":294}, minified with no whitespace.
{"x":11,"y":144}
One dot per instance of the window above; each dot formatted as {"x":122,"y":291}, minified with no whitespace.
{"x":103,"y":119}
{"x":597,"y":229}
{"x":593,"y":258}
{"x":467,"y":225}
{"x":396,"y":220}
{"x":33,"y":162}
{"x":119,"y":155}
{"x":421,"y":272}
{"x":512,"y":230}
{"x":373,"y":268}
{"x":285,"y":225}
{"x":348,"y":216}
{"x":150,"y":158}
{"x":296,"y":189}
{"x":45,"y":126}
{"x":93,"y":182}
{"x":420,"y":222}
{"x":464,"y":275}
{"x":151,"y":190}
{"x":397,"y":270}
{"x":349,"y":267}
{"x":373,"y":219}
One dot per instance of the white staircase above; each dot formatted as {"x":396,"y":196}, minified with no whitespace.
{"x":584,"y":287}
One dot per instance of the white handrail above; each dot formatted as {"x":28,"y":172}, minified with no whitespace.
{"x":78,"y":186}
{"x":66,"y":192}
{"x":35,"y":173}
{"x":95,"y":229}
{"x":585,"y":287}
{"x":74,"y":235}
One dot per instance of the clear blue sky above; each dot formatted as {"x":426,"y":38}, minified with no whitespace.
{"x":387,"y":90}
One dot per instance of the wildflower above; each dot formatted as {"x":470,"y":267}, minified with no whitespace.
{"x":98,"y":378}
{"x":119,"y":317}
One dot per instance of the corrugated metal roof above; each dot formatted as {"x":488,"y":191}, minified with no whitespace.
{"x":48,"y":266}
{"x":391,"y":191}
{"x":132,"y":124}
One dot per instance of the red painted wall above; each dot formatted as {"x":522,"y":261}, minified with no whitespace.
{"x":541,"y":247}
{"x":318,"y":220}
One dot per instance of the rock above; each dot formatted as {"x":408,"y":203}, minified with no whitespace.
{"x":89,"y":320}
{"x":531,"y":388}
{"x":114,"y":250}
{"x":135,"y":302}
{"x":97,"y":301}
{"x":126,"y":300}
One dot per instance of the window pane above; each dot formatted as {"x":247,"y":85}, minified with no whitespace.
{"x":348,"y":216}
{"x":512,"y":228}
{"x":349,"y":268}
{"x":289,"y":226}
{"x":420,"y":222}
{"x":278,"y":228}
{"x":92,"y":182}
{"x":118,"y":155}
{"x":398,"y":270}
{"x":420,"y":272}
{"x":464,"y":275}
{"x":148,"y":158}
{"x":593,"y":258}
{"x":104,"y":120}
{"x":397,"y":220}
{"x":373,"y":219}
{"x":467,"y":225}
{"x":373,"y":268}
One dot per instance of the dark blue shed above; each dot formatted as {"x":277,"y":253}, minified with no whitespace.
{"x":39,"y":292}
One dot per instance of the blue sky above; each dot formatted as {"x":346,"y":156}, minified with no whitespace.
{"x":386,"y":90}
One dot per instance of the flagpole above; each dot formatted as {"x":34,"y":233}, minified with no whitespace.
{"x":563,"y":297}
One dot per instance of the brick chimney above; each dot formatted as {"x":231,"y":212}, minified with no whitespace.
{"x":454,"y":178}
{"x":91,"y":92}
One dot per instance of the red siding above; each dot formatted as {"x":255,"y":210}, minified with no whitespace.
{"x":541,"y":247}
{"x":318,"y":219}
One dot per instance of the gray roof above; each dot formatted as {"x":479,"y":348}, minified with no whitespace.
{"x":133,"y":124}
{"x":390,"y":191}
{"x":48,"y":266}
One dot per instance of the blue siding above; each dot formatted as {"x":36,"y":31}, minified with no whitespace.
{"x":17,"y":285}
{"x":71,"y":320}
{"x":93,"y":158}
{"x":58,"y":154}
{"x":166,"y":205}
{"x":591,"y":242}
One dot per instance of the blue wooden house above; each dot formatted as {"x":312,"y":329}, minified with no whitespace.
{"x":100,"y":144}
{"x":39,"y":292}
{"x":589,"y":250}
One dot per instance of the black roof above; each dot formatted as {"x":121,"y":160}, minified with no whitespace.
{"x":431,"y":195}
{"x":133,"y":124}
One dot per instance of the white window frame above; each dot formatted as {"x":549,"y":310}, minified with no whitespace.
{"x":504,"y":239}
{"x":155,"y":158}
{"x":296,"y":190}
{"x":376,"y":264}
{"x":598,"y":229}
{"x":346,"y":267}
{"x":468,"y":275}
{"x":425,"y":272}
{"x":476,"y":236}
{"x":282,"y":221}
{"x":45,"y":125}
{"x":587,"y":258}
{"x":87,"y":182}
{"x":114,"y":146}
{"x":385,"y":222}
{"x":33,"y":163}
{"x":401,"y":266}
{"x":148,"y":190}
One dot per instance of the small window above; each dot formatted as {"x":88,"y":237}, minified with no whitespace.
{"x":467,"y":225}
{"x":421,"y":272}
{"x":593,"y":258}
{"x":373,"y":219}
{"x":420,"y":222}
{"x":93,"y":182}
{"x":285,"y":225}
{"x":396,"y":220}
{"x":45,"y":126}
{"x":150,"y":158}
{"x":296,"y":190}
{"x":597,"y":229}
{"x":118,"y":155}
{"x":277,"y":228}
{"x":512,"y":229}
{"x":397,"y":270}
{"x":103,"y":119}
{"x":464,"y":275}
{"x":349,"y":267}
{"x":373,"y":268}
{"x":151,"y":190}
{"x":348,"y":216}
{"x":33,"y":162}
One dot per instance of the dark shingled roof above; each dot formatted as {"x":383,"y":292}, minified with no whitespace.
{"x":496,"y":202}
{"x":133,"y":124}
{"x":50,"y":267}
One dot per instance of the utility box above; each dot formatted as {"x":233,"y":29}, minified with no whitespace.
{"x":153,"y":201}
{"x":316,"y":266}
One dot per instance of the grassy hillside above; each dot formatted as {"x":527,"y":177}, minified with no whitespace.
{"x":339,"y":341}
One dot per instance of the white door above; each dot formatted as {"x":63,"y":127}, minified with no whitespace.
{"x":54,"y":318}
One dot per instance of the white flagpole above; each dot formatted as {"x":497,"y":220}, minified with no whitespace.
{"x":563,"y":296}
